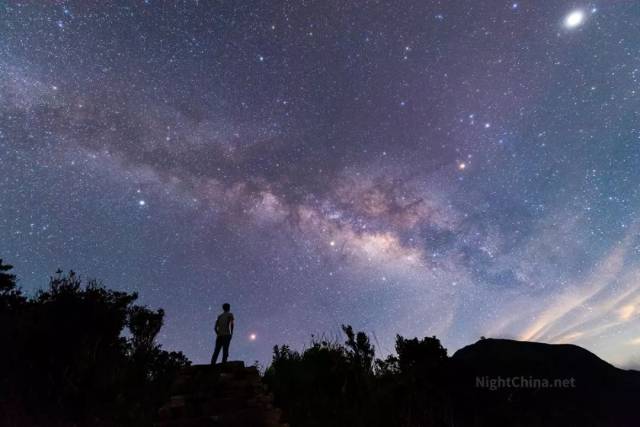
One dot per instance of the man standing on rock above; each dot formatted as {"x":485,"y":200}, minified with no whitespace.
{"x":224,"y":332}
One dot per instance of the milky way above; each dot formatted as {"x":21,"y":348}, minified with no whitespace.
{"x":425,"y":168}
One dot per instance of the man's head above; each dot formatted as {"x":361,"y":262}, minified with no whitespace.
{"x":226,"y":307}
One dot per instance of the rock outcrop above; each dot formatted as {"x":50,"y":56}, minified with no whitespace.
{"x":228,"y":394}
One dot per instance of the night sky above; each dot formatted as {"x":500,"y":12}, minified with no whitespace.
{"x":449,"y":168}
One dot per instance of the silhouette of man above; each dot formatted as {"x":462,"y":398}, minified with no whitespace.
{"x":224,"y":332}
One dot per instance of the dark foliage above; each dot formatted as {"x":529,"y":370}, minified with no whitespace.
{"x":10,"y":295}
{"x":344,"y":385}
{"x":66,"y":360}
{"x":334,"y":384}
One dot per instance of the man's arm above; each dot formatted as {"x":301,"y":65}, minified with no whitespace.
{"x":231,"y":326}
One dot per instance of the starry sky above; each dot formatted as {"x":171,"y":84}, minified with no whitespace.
{"x":451,"y":168}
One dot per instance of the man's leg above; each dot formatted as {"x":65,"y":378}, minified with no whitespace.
{"x":225,"y":348}
{"x":216,"y":352}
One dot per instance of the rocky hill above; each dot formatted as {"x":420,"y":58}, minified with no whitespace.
{"x":228,"y":394}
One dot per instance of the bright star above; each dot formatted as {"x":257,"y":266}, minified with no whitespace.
{"x":574,"y":19}
{"x":462,"y":166}
{"x":142,"y":202}
{"x":252,"y":337}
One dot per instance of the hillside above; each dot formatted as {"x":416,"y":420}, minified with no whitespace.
{"x":550,"y":384}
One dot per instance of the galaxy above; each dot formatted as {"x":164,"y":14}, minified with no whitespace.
{"x":458,"y":169}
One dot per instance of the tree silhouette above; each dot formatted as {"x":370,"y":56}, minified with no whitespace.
{"x":144,"y":324}
{"x":70,"y":362}
{"x":10,"y":295}
{"x":361,"y":352}
{"x":7,"y":281}
{"x":344,"y":385}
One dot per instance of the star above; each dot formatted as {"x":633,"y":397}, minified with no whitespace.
{"x":574,"y":19}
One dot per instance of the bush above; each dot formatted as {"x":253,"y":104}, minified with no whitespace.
{"x":344,"y":385}
{"x":70,"y":364}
